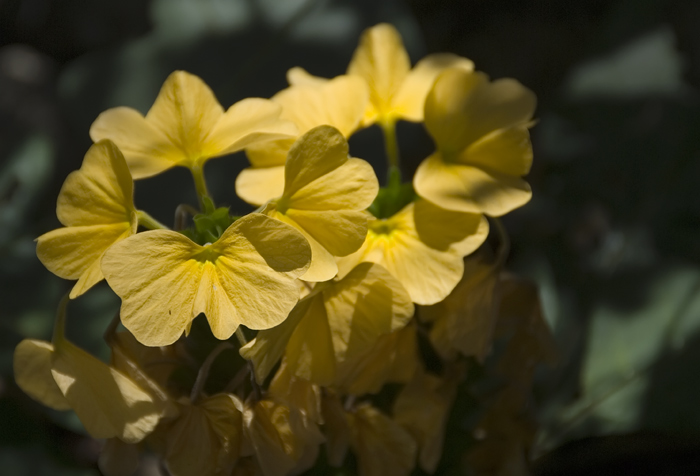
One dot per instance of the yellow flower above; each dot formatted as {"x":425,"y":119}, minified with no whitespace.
{"x":483,"y":146}
{"x":340,"y":103}
{"x":422,"y":407}
{"x":279,"y":437}
{"x":205,"y":439}
{"x":421,"y":246}
{"x":296,"y":392}
{"x":396,"y":91}
{"x":325,"y":195}
{"x":393,"y":358}
{"x":62,"y":376}
{"x":465,"y":320}
{"x":246,"y":277}
{"x":382,"y":446}
{"x":338,"y":321}
{"x":97,"y":208}
{"x":186,"y":126}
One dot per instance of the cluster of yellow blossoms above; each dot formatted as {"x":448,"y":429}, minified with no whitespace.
{"x":328,"y":270}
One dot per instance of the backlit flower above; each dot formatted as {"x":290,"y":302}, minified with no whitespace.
{"x":340,"y":102}
{"x":97,"y":208}
{"x":483,"y":145}
{"x":248,"y":276}
{"x":422,"y":247}
{"x":396,"y":91}
{"x":325,"y":195}
{"x":186,"y":126}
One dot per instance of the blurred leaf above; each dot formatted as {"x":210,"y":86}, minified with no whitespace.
{"x":649,"y":65}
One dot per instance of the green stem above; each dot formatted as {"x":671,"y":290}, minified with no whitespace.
{"x":390,"y":144}
{"x":147,"y":221}
{"x":59,"y":327}
{"x":200,"y":184}
{"x":241,"y":336}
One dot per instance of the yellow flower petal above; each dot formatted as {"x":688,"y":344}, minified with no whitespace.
{"x":165,"y":280}
{"x":506,"y":151}
{"x":299,"y":76}
{"x":422,"y":407}
{"x":382,"y":447}
{"x":464,"y":106}
{"x":258,"y":185}
{"x":186,"y":126}
{"x":382,"y":61}
{"x":427,"y":273}
{"x":442,"y":229}
{"x":392,"y":358}
{"x":149,"y":150}
{"x":96,"y":205}
{"x":108,"y":403}
{"x":310,"y":350}
{"x":410,"y":98}
{"x":337,"y":321}
{"x":279,"y":436}
{"x":316,"y":153}
{"x":74,"y":252}
{"x":325,"y":196}
{"x":247,"y":122}
{"x":339,"y":102}
{"x":366,"y":303}
{"x":32,"y":367}
{"x":206,"y":438}
{"x":269,"y":345}
{"x":469,"y":312}
{"x":469,"y":189}
{"x":296,"y":392}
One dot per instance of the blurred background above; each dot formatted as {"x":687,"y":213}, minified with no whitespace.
{"x":612,"y":235}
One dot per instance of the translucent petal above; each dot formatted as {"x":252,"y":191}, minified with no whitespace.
{"x":296,"y":392}
{"x":392,"y":358}
{"x":410,"y":99}
{"x":299,"y":76}
{"x":32,"y":367}
{"x":469,"y":189}
{"x":269,"y":345}
{"x":469,"y":311}
{"x":315,"y":154}
{"x":76,"y":250}
{"x":422,"y":407}
{"x":339,"y":102}
{"x":382,"y":446}
{"x":428,"y":274}
{"x":505,"y":151}
{"x":185,"y":110}
{"x":352,"y":185}
{"x":310,"y":351}
{"x":148,"y":150}
{"x":258,"y":185}
{"x":165,"y":280}
{"x":382,"y":61}
{"x":108,"y":403}
{"x":100,"y":192}
{"x":247,"y":122}
{"x":440,"y":228}
{"x":366,"y":303}
{"x":157,"y":278}
{"x":464,"y":106}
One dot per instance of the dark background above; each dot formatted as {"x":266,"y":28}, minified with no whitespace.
{"x":612,"y":234}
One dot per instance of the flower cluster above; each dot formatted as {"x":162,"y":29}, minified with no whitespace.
{"x":328,"y":270}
